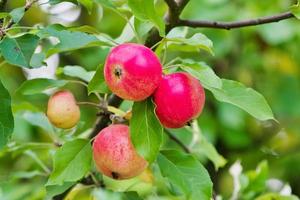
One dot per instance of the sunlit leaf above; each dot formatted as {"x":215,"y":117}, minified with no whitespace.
{"x":71,"y":162}
{"x":145,"y":10}
{"x":146,"y":131}
{"x":186,"y":175}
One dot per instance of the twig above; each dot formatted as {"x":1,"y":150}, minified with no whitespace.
{"x":175,"y":139}
{"x":89,"y":104}
{"x":237,"y":24}
{"x":11,"y":22}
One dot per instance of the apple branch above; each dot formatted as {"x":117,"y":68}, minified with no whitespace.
{"x":236,"y":24}
{"x":27,"y":7}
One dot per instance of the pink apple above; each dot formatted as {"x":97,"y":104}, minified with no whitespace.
{"x":132,"y":71}
{"x":179,"y":98}
{"x":115,"y":155}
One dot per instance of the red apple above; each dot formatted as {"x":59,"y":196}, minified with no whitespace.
{"x":179,"y":98}
{"x":115,"y":155}
{"x":132,"y":71}
{"x":62,"y":111}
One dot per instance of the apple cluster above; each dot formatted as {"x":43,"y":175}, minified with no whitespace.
{"x":133,"y":72}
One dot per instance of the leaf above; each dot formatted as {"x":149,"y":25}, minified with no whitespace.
{"x":6,"y":116}
{"x":295,"y":9}
{"x":71,"y":162}
{"x":18,"y":51}
{"x":206,"y":148}
{"x":69,"y":40}
{"x":78,"y":72}
{"x":37,"y":60}
{"x":245,"y":98}
{"x":53,"y":190}
{"x":185,"y":174}
{"x":17,"y":14}
{"x":146,"y":131}
{"x":229,"y":91}
{"x":106,"y":3}
{"x":3,"y":15}
{"x":274,"y":196}
{"x":203,"y":72}
{"x":130,"y":196}
{"x":27,"y":174}
{"x":88,"y":4}
{"x":145,"y":10}
{"x":35,"y":86}
{"x":142,"y":27}
{"x":194,"y":43}
{"x":38,"y":119}
{"x":97,"y":84}
{"x":256,"y":179}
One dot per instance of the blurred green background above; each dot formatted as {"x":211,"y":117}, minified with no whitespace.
{"x":265,"y":58}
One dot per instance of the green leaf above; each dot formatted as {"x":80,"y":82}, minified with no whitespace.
{"x":18,"y":51}
{"x":194,"y":43}
{"x":6,"y":116}
{"x":97,"y":84}
{"x":3,"y":15}
{"x":229,"y":91}
{"x":146,"y":131}
{"x":295,"y":9}
{"x":53,"y":190}
{"x":38,"y":119}
{"x":145,"y":10}
{"x":142,"y":27}
{"x":203,"y":72}
{"x":88,"y":4}
{"x":185,"y":174}
{"x":106,"y":3}
{"x":71,"y":162}
{"x":37,"y":60}
{"x":130,"y":196}
{"x":17,"y":14}
{"x":274,"y":196}
{"x":245,"y":98}
{"x":206,"y":148}
{"x":256,"y":179}
{"x":78,"y":72}
{"x":39,"y":85}
{"x":69,"y":40}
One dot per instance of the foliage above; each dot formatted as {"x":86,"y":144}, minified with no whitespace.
{"x":245,"y":73}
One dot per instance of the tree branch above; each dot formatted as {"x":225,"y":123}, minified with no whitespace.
{"x":11,"y":22}
{"x":104,"y":119}
{"x":237,"y":24}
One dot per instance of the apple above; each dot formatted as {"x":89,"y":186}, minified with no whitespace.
{"x":179,"y":98}
{"x":62,"y":111}
{"x":115,"y":155}
{"x":132,"y":71}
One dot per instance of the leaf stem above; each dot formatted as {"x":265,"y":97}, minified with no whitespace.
{"x":89,"y":104}
{"x":38,"y":161}
{"x":78,"y":82}
{"x":176,"y":140}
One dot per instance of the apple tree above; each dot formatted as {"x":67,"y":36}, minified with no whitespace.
{"x":111,"y":105}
